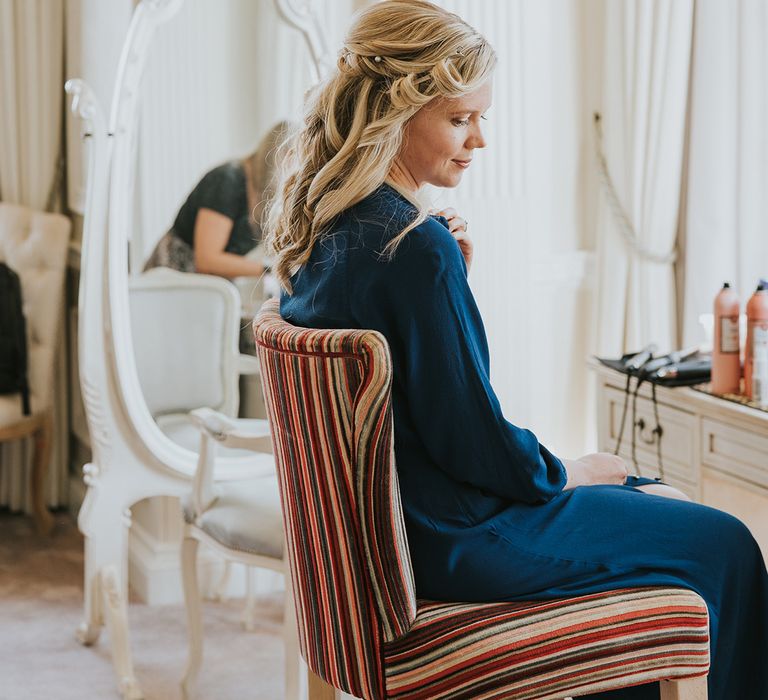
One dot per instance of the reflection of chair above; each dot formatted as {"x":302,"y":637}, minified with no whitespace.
{"x":34,"y":245}
{"x":361,"y":628}
{"x":185,"y":337}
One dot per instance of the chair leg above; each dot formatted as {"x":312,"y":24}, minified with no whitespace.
{"x":249,"y":612}
{"x":194,"y":613}
{"x":42,"y":456}
{"x":115,"y":614}
{"x":291,"y":644}
{"x":318,"y":688}
{"x":220,"y":591}
{"x":687,"y":689}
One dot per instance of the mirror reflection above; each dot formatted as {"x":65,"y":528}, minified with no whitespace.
{"x":217,"y":230}
{"x":213,"y":110}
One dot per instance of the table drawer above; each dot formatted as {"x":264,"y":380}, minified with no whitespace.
{"x":733,"y":451}
{"x":678,"y":438}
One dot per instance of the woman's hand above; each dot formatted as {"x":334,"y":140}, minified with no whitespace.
{"x":458,"y":228}
{"x":596,"y":468}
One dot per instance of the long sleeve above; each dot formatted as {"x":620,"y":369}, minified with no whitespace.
{"x":422,"y":302}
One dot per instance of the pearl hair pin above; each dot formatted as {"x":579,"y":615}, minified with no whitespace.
{"x":377,"y":59}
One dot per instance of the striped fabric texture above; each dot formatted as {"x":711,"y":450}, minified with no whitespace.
{"x":328,"y":396}
{"x":328,"y":402}
{"x":550,"y":649}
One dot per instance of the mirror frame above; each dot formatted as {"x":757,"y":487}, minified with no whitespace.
{"x":116,"y":409}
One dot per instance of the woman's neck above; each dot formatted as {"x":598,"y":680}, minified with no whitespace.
{"x":402,"y":179}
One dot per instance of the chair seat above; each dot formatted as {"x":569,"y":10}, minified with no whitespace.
{"x":245,"y":516}
{"x":549,"y":649}
{"x":179,"y":428}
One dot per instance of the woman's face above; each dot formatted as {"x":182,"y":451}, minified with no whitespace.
{"x":441,"y":138}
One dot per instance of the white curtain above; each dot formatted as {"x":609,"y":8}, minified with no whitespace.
{"x":31,"y":85}
{"x":726,"y":232}
{"x":31,"y":64}
{"x":647,"y":59}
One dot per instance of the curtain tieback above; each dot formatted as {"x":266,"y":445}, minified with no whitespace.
{"x":618,"y":211}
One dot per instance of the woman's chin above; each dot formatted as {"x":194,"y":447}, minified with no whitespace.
{"x":448,"y":181}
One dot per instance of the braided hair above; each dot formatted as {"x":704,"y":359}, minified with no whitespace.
{"x":398,"y":56}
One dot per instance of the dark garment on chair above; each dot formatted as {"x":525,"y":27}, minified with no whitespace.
{"x":486,"y":516}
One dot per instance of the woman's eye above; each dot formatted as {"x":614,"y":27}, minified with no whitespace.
{"x":461,"y":122}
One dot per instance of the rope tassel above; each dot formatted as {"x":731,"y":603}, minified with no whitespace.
{"x":620,"y":214}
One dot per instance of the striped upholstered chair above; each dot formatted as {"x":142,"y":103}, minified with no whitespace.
{"x":361,"y":628}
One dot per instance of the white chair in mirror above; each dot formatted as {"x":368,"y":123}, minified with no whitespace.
{"x":34,"y":246}
{"x":185,"y":330}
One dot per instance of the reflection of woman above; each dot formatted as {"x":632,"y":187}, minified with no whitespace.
{"x":491,"y":514}
{"x":220,"y":222}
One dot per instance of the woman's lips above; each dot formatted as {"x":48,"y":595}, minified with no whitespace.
{"x":462,"y":163}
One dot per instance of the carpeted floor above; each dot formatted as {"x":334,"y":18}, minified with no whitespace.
{"x":41,"y":588}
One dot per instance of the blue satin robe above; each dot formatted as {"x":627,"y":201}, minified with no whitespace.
{"x":485,"y":511}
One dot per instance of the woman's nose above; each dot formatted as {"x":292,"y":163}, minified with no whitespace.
{"x":476,"y":138}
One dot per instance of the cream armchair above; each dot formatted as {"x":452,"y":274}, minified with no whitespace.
{"x":34,"y":245}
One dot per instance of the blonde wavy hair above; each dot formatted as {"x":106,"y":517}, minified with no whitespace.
{"x":398,"y":56}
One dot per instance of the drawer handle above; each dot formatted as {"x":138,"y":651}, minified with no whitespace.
{"x":651,"y":437}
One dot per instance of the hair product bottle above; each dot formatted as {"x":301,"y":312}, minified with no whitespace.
{"x":757,"y":333}
{"x":760,"y":375}
{"x":726,"y":363}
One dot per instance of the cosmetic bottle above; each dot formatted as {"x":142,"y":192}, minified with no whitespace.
{"x":757,"y":332}
{"x":726,"y":363}
{"x":760,"y":375}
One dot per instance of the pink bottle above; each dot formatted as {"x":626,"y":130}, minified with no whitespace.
{"x":757,"y":332}
{"x":726,"y":365}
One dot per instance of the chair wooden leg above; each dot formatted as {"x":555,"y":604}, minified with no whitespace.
{"x":291,"y":644}
{"x":249,"y":612}
{"x":194,"y":613}
{"x":42,"y":456}
{"x":688,"y":689}
{"x":115,"y":614}
{"x":318,"y":689}
{"x":220,"y":591}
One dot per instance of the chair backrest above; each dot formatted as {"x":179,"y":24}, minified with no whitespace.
{"x":328,"y":396}
{"x":34,"y":245}
{"x":185,"y":339}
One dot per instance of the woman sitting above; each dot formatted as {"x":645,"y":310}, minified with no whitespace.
{"x":491,"y":514}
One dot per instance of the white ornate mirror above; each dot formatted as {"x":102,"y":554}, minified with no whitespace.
{"x":181,"y":65}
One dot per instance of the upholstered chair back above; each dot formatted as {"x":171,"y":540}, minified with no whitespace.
{"x":34,"y":245}
{"x":185,"y":339}
{"x":328,"y":396}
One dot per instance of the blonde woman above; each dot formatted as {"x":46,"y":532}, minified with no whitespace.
{"x":220,"y":222}
{"x":491,"y":514}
